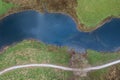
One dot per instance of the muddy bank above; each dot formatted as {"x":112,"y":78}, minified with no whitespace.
{"x":54,"y":6}
{"x":23,"y":5}
{"x":88,"y":29}
{"x":59,"y":6}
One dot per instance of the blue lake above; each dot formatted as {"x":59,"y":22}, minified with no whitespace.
{"x":58,"y":29}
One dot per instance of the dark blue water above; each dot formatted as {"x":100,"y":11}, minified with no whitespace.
{"x":58,"y":29}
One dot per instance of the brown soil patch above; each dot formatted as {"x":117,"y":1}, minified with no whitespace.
{"x":54,"y":6}
{"x":113,"y":73}
{"x":78,"y":60}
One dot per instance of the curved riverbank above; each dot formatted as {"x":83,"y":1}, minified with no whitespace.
{"x":56,"y":6}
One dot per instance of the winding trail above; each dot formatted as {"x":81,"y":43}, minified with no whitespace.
{"x":60,"y":67}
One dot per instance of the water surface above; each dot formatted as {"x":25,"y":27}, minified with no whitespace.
{"x":58,"y":29}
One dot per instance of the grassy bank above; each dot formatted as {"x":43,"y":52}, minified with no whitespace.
{"x":4,"y":7}
{"x":92,"y":12}
{"x":28,"y":52}
{"x":97,"y":58}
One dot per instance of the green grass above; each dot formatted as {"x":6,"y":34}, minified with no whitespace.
{"x":4,"y":7}
{"x":96,"y":75}
{"x":92,"y":12}
{"x":28,"y":52}
{"x":97,"y":58}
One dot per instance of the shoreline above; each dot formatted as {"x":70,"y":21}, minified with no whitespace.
{"x":79,"y":26}
{"x":63,"y":7}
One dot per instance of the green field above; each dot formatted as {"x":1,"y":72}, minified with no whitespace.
{"x":28,"y":52}
{"x":4,"y":7}
{"x":97,"y":58}
{"x":93,"y":12}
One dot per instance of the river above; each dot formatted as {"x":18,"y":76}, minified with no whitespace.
{"x":58,"y":29}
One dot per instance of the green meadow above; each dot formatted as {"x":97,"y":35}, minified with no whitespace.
{"x":93,"y":12}
{"x":31,"y":51}
{"x":4,"y":7}
{"x":28,"y":52}
{"x":98,"y":58}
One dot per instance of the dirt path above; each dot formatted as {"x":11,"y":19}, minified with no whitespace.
{"x":60,"y":67}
